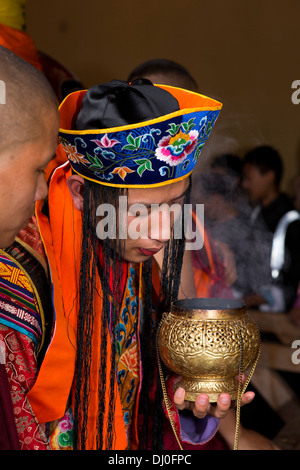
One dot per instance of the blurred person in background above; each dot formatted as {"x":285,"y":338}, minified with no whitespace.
{"x":262,"y":176}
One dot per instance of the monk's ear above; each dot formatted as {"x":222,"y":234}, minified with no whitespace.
{"x":76,"y":186}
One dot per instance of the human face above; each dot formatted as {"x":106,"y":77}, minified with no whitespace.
{"x":140,"y":249}
{"x":256,"y":184}
{"x":22,"y":180}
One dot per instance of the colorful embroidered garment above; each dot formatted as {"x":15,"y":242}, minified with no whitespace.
{"x":61,"y":433}
{"x":22,"y":328}
{"x":21,"y":335}
{"x":21,"y":370}
{"x":128,"y":355}
{"x":128,"y":365}
{"x":18,"y":306}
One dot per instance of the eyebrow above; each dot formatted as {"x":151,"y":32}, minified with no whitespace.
{"x":149,"y":204}
{"x":183,"y":194}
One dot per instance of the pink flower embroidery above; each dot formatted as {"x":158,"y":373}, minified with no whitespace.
{"x":106,"y":142}
{"x":72,"y":153}
{"x":174,"y":149}
{"x":65,"y":424}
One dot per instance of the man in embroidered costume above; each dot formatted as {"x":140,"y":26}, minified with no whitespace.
{"x":97,"y":386}
{"x":28,"y":136}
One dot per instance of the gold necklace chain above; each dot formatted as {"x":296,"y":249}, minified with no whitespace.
{"x":165,"y":394}
{"x":242,"y":389}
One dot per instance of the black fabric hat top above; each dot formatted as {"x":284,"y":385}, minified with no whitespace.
{"x":119,"y":103}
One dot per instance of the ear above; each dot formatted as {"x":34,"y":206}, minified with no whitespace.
{"x":76,"y":185}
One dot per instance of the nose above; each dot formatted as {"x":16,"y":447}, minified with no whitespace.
{"x":161,"y":224}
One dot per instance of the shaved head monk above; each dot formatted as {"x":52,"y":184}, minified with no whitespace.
{"x":29,"y":123}
{"x":28,"y":139}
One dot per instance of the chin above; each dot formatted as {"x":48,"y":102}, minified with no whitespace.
{"x":134,"y":257}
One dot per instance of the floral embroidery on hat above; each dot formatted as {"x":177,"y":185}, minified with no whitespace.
{"x":72,"y":154}
{"x":151,"y":154}
{"x":122,"y":171}
{"x":175,"y":148}
{"x":105,"y":142}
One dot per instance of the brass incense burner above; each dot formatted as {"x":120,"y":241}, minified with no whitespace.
{"x":208,"y":342}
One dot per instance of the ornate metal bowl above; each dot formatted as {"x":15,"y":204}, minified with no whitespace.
{"x":208,"y":342}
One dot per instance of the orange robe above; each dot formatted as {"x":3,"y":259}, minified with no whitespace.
{"x":21,"y":44}
{"x":50,"y":394}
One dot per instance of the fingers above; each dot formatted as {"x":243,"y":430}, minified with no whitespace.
{"x":201,"y":407}
{"x":179,"y":399}
{"x":223,"y":405}
{"x":218,"y":410}
{"x":247,"y":398}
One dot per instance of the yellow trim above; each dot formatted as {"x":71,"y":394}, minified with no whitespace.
{"x":139,"y":125}
{"x":190,"y":92}
{"x":166,"y":117}
{"x":139,"y":186}
{"x":41,"y":311}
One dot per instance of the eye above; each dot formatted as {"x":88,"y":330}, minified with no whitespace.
{"x":180,"y":201}
{"x":139,"y":210}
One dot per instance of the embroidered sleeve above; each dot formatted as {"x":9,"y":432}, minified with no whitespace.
{"x":20,"y":362}
{"x":189,"y":429}
{"x":20,"y":337}
{"x":18,"y":309}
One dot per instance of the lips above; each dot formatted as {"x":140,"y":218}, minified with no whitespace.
{"x":149,"y":252}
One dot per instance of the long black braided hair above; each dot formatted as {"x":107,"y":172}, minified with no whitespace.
{"x":151,"y":435}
